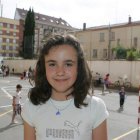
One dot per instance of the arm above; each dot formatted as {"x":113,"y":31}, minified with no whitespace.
{"x":14,"y":102}
{"x":29,"y":132}
{"x":100,"y":132}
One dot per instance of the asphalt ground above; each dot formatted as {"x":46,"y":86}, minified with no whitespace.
{"x":122,"y":125}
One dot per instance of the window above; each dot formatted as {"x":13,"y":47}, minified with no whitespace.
{"x":43,"y":18}
{"x":15,"y":26}
{"x":94,"y":53}
{"x":23,"y":14}
{"x":105,"y":53}
{"x":7,"y":47}
{"x":0,"y":40}
{"x":67,"y":24}
{"x":7,"y":40}
{"x":14,"y":40}
{"x":135,"y":42}
{"x":62,"y":23}
{"x":8,"y":25}
{"x":14,"y":34}
{"x":4,"y":48}
{"x":10,"y":48}
{"x":14,"y":47}
{"x":7,"y":54}
{"x":7,"y":32}
{"x":1,"y":24}
{"x":112,"y":36}
{"x":4,"y":54}
{"x":102,"y":37}
{"x":50,"y":27}
{"x":11,"y":55}
{"x":118,"y":42}
{"x":51,"y":20}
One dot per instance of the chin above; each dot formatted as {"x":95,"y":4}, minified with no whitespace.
{"x":62,"y":90}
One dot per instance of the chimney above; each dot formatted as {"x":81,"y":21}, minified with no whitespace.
{"x":84,"y":26}
{"x":129,"y":20}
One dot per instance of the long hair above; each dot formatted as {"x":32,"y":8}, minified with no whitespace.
{"x":42,"y":90}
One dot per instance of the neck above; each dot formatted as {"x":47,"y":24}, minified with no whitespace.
{"x":60,"y":96}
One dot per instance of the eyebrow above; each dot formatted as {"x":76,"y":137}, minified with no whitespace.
{"x":49,"y":61}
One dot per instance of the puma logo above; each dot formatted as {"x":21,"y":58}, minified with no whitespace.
{"x":73,"y":126}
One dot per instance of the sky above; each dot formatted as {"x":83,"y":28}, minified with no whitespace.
{"x":76,"y":12}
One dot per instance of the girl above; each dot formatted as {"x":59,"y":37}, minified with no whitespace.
{"x":59,"y":106}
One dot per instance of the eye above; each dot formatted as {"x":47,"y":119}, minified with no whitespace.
{"x":51,"y":64}
{"x":69,"y":64}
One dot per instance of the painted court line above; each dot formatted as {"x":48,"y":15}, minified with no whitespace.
{"x":3,"y":81}
{"x":6,"y":113}
{"x":127,"y":133}
{"x":12,"y":89}
{"x":9,"y":95}
{"x":4,"y":106}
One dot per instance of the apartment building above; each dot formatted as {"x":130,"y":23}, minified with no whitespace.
{"x":9,"y":37}
{"x":98,"y":42}
{"x":44,"y":26}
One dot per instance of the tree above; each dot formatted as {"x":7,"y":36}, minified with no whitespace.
{"x":29,"y":31}
{"x":132,"y":54}
{"x":120,"y":52}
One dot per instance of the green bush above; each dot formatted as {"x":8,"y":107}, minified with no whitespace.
{"x":131,"y":55}
{"x":120,"y":52}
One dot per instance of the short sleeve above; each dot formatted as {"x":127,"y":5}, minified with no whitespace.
{"x":27,"y":112}
{"x":99,"y":111}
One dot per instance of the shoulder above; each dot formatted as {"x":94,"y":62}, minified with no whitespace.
{"x":93,"y":100}
{"x":30,"y":105}
{"x":98,"y":110}
{"x":28,"y":111}
{"x":95,"y":103}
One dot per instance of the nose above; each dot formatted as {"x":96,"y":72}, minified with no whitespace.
{"x":60,"y":70}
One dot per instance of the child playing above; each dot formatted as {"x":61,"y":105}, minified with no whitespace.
{"x":60,"y":106}
{"x":106,"y":83}
{"x":16,"y":104}
{"x":122,"y":97}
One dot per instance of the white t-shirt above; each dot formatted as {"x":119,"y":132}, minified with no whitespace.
{"x":71,"y":124}
{"x":18,"y":97}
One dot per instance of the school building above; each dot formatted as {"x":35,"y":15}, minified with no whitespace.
{"x":98,"y":42}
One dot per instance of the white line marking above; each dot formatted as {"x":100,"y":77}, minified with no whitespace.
{"x":3,"y":81}
{"x":5,"y":113}
{"x":11,"y":89}
{"x":9,"y":95}
{"x":125,"y":134}
{"x":4,"y":106}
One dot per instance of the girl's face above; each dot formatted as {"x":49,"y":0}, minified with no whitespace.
{"x":61,"y":70}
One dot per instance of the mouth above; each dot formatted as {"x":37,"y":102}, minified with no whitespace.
{"x":61,"y":80}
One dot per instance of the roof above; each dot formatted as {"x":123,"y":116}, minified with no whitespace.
{"x":134,"y":23}
{"x":44,"y":19}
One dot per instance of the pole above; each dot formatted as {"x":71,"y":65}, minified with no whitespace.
{"x":138,"y":116}
{"x":139,"y":109}
{"x":109,"y":42}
